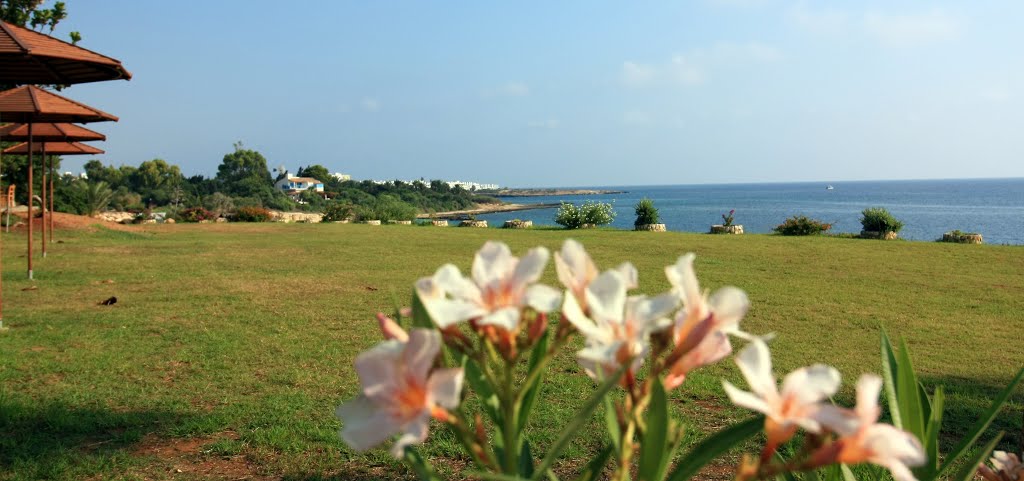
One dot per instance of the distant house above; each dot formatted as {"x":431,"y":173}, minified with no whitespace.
{"x":293,"y":186}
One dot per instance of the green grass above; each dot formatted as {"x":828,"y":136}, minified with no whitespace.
{"x":239,"y":338}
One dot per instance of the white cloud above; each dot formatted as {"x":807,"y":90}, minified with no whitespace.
{"x":909,"y":30}
{"x":636,"y":117}
{"x":370,"y":104}
{"x":635,"y":74}
{"x":686,"y":71}
{"x":544,"y":124}
{"x":510,"y":89}
{"x":819,"y":22}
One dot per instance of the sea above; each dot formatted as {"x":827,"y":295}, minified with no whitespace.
{"x":928,"y":208}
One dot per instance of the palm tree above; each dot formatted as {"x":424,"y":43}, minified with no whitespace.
{"x":96,"y":195}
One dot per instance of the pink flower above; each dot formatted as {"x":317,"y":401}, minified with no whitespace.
{"x":576,"y":270}
{"x":865,"y":440}
{"x":703,"y":325}
{"x":500,"y":287}
{"x":796,"y":405}
{"x":399,"y":392}
{"x":1006,"y":467}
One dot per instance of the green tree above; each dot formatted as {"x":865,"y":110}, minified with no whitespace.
{"x":15,"y":171}
{"x":315,"y":171}
{"x":95,"y":196}
{"x":244,"y":173}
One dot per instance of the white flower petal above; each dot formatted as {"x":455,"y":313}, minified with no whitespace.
{"x":684,"y":280}
{"x":506,"y":318}
{"x":415,"y":432}
{"x":729,"y":305}
{"x":606,"y":298}
{"x":646,"y":310}
{"x":755,"y":363}
{"x":492,"y":263}
{"x":363,"y":425}
{"x":447,"y":312}
{"x":811,"y":384}
{"x":574,"y":314}
{"x":869,"y":386}
{"x":574,"y":267}
{"x":420,"y":353}
{"x":837,"y":419}
{"x":888,"y":442}
{"x":543,"y":298}
{"x":377,"y":367}
{"x":449,"y":279}
{"x":530,"y":267}
{"x":629,"y":275}
{"x":745,"y":399}
{"x":599,"y":359}
{"x":445,"y":386}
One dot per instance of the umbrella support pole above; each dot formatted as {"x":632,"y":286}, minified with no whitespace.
{"x":29,"y":203}
{"x":42,"y":204}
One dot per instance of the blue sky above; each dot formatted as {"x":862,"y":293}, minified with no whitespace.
{"x":568,"y":93}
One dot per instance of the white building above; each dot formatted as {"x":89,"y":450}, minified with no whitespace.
{"x":293,"y":186}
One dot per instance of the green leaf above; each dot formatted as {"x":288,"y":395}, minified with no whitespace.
{"x":420,"y":465}
{"x":420,"y":317}
{"x":532,"y":392}
{"x":907,"y":396}
{"x":847,"y":473}
{"x":653,"y":456}
{"x":480,"y":385}
{"x":931,"y":441}
{"x":494,"y":476}
{"x":611,"y":421}
{"x":714,"y":446}
{"x":573,"y":427}
{"x":596,"y":465}
{"x":525,"y":459}
{"x":889,"y":375}
{"x":967,"y":472}
{"x":982,"y":425}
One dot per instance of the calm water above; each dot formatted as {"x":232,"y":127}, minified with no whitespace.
{"x":928,"y":208}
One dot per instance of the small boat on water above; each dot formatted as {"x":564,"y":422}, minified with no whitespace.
{"x":830,"y":187}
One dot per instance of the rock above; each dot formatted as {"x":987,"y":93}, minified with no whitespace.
{"x":727,"y":229}
{"x":149,"y":221}
{"x":372,"y":222}
{"x":169,"y":221}
{"x":473,"y":223}
{"x":871,"y":234}
{"x":517,"y":224}
{"x":221,"y":220}
{"x":962,"y":237}
{"x":400,"y":222}
{"x":306,"y":217}
{"x":651,"y":227}
{"x":439,"y":223}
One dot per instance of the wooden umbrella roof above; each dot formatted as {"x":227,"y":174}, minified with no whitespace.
{"x":30,"y":57}
{"x":49,"y":132}
{"x":53,"y":148}
{"x":31,"y":104}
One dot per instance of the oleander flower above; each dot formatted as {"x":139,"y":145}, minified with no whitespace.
{"x":1005,"y":467}
{"x":399,"y":392}
{"x":703,"y":325}
{"x":618,"y":328}
{"x":499,"y":288}
{"x":796,"y":405}
{"x":576,"y":270}
{"x":865,"y":440}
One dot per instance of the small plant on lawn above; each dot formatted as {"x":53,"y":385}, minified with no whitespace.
{"x":802,"y":225}
{"x":646,"y":213}
{"x":253,"y":214}
{"x":337,"y":212}
{"x":728,"y":218}
{"x":589,"y":214}
{"x":489,"y":334}
{"x":877,"y":219}
{"x":195,"y":214}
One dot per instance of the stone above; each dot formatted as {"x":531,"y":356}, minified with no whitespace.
{"x":473,"y":223}
{"x":439,"y":223}
{"x":736,"y":229}
{"x":372,"y":222}
{"x":517,"y":224}
{"x":871,"y":234}
{"x":962,"y":237}
{"x":169,"y":221}
{"x":651,"y":227}
{"x":400,"y":222}
{"x":221,"y":220}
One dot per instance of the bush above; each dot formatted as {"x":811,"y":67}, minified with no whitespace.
{"x":253,"y":214}
{"x":646,"y":213}
{"x":589,"y":214}
{"x":877,"y":219}
{"x":195,"y":214}
{"x":337,"y":211}
{"x":802,"y":225}
{"x":728,"y":218}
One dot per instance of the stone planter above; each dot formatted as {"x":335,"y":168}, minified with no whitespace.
{"x":727,"y":229}
{"x":962,"y":238}
{"x":872,"y":234}
{"x":169,"y":221}
{"x":400,"y":222}
{"x":517,"y":224}
{"x":371,"y":222}
{"x":650,"y":227}
{"x":439,"y":223}
{"x":473,"y":223}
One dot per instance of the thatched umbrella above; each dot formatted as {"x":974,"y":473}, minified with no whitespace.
{"x":29,"y":57}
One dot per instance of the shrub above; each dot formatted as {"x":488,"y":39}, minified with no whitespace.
{"x":802,"y":225}
{"x":337,"y":211}
{"x":219,"y":204}
{"x":646,"y":213}
{"x":727,"y":218}
{"x":589,"y":214}
{"x":877,"y":219}
{"x":253,"y":214}
{"x":195,"y":214}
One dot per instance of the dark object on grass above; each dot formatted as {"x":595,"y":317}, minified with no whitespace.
{"x":109,"y":302}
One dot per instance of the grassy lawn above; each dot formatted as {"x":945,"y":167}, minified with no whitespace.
{"x":230,"y":345}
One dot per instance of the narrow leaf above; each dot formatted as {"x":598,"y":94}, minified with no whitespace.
{"x":488,"y":397}
{"x":714,"y":446}
{"x":931,"y":445}
{"x":494,"y":476}
{"x":907,"y":395}
{"x":525,"y":459}
{"x":611,"y":421}
{"x":653,"y":457}
{"x":420,"y":317}
{"x":573,"y":427}
{"x":982,"y":425}
{"x":420,"y":465}
{"x":594,"y":468}
{"x":533,"y":390}
{"x":847,"y":473}
{"x":889,"y":375}
{"x":967,"y":472}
